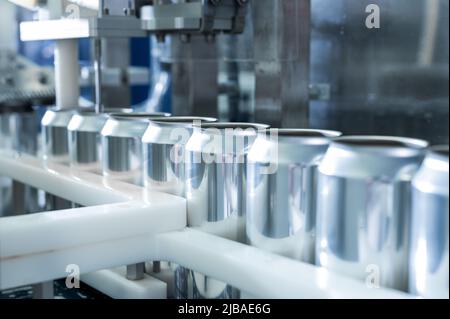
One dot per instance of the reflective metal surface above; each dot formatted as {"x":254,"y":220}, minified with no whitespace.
{"x":85,"y":140}
{"x":122,"y":145}
{"x":281,"y":190}
{"x":363,"y":208}
{"x":429,"y":247}
{"x":216,"y":157}
{"x":164,"y":142}
{"x":163,"y":160}
{"x":391,"y":80}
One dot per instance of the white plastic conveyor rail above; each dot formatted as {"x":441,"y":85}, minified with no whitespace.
{"x":126,"y":225}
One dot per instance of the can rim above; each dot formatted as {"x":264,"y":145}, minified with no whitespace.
{"x":137,"y":115}
{"x":54,"y":117}
{"x":380,"y":142}
{"x":245,"y":129}
{"x":304,"y":133}
{"x":186,"y":121}
{"x":125,"y":110}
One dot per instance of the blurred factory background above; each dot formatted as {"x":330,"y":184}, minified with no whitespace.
{"x":391,"y":80}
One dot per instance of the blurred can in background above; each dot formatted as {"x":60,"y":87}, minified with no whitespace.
{"x":429,"y":241}
{"x":19,"y":132}
{"x":281,"y":190}
{"x":363,"y":212}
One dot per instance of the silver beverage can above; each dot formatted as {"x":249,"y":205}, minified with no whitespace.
{"x":55,"y":141}
{"x":281,"y":190}
{"x":429,"y":241}
{"x":163,"y":160}
{"x":122,"y":145}
{"x":85,"y":141}
{"x":363,"y":208}
{"x":164,"y":142}
{"x":216,"y":162}
{"x":19,"y":131}
{"x":122,"y":158}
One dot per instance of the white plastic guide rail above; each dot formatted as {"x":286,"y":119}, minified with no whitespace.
{"x":125,"y":224}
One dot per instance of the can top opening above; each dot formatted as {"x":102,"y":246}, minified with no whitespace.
{"x":183,"y":120}
{"x":387,"y":142}
{"x":308,"y":133}
{"x":136,"y":115}
{"x":235,"y":126}
{"x":232,"y":129}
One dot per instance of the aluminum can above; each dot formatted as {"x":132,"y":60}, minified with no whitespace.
{"x":19,"y":131}
{"x":163,"y":160}
{"x":85,"y":141}
{"x":164,"y":142}
{"x":122,"y":145}
{"x":55,"y":141}
{"x":216,"y":163}
{"x":363,"y":208}
{"x":429,"y":241}
{"x":281,"y":190}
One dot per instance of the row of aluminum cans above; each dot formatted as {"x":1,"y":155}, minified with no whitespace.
{"x":374,"y":208}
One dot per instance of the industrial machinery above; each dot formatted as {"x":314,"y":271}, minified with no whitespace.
{"x":286,"y":149}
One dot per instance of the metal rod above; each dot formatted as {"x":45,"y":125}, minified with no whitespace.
{"x":98,"y":75}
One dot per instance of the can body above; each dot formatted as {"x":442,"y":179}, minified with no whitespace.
{"x":216,"y":178}
{"x":429,"y":241}
{"x":55,"y":142}
{"x":85,"y":141}
{"x":122,"y":145}
{"x":164,"y":170}
{"x":216,"y":163}
{"x":363,"y":208}
{"x":122,"y":149}
{"x":281,"y":191}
